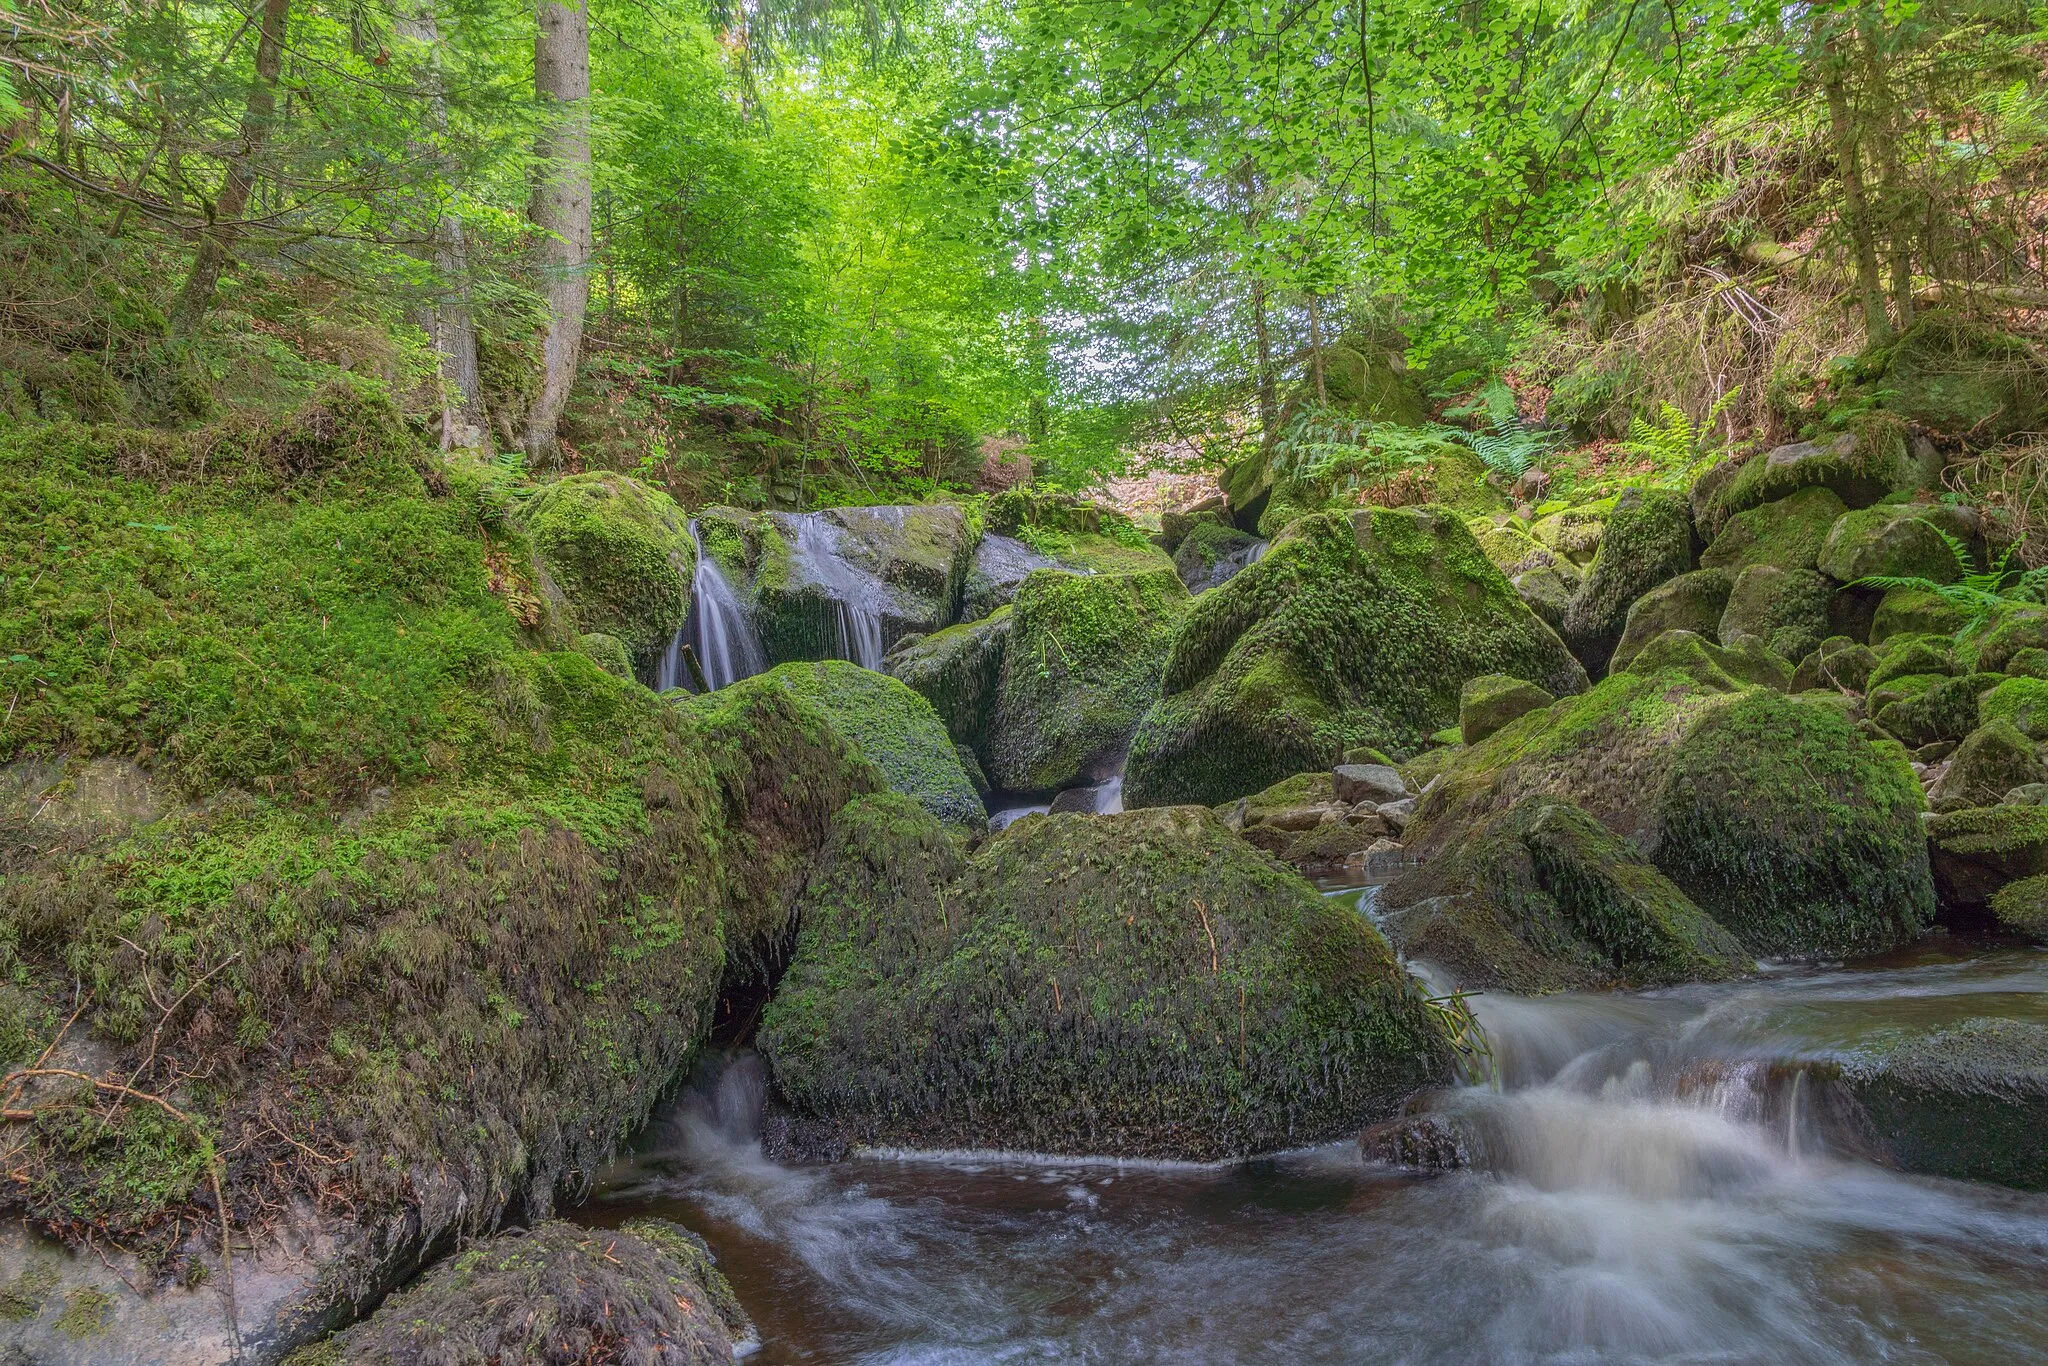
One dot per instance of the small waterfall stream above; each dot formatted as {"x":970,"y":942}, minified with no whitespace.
{"x":718,"y":629}
{"x":855,"y":595}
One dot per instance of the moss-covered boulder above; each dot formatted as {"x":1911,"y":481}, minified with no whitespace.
{"x":1352,"y":630}
{"x":1914,"y":612}
{"x":1901,"y":541}
{"x":1304,"y":823}
{"x":1956,"y":375}
{"x":1968,"y":1101}
{"x":1510,"y":547}
{"x":1772,"y":813}
{"x":609,"y":652}
{"x":1746,"y":664}
{"x":1786,"y":609}
{"x":1859,"y":467}
{"x":2020,"y":702}
{"x":1788,"y":533}
{"x":1210,"y":553}
{"x":1548,"y":591}
{"x":1487,"y":703}
{"x":896,"y":730}
{"x":1545,"y":898}
{"x":1993,"y":760}
{"x":1000,"y":566}
{"x":2022,"y":908}
{"x":1837,"y":662}
{"x":1083,"y":660}
{"x":1947,"y":709}
{"x":1911,"y":655}
{"x":1991,"y":647}
{"x":1141,"y":985}
{"x":1647,"y":541}
{"x":1691,"y":602}
{"x":648,"y":1292}
{"x":1978,"y":851}
{"x":1573,"y":533}
{"x":621,"y":554}
{"x":959,"y":671}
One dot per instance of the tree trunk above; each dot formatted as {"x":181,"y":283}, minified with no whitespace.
{"x":1877,"y":325}
{"x":1269,"y":391}
{"x":219,"y":237}
{"x":449,"y":320}
{"x":561,"y":208}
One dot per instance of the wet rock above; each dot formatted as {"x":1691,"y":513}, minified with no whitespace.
{"x":1978,"y":851}
{"x":1000,"y":566}
{"x":1648,"y":540}
{"x":1691,"y":602}
{"x":896,"y":730}
{"x":1969,"y":1101}
{"x":1487,"y":703}
{"x":902,"y":568}
{"x":1143,"y":984}
{"x":649,"y":1292}
{"x":1901,"y":541}
{"x":1352,"y":630}
{"x":621,"y":554}
{"x":1210,"y":553}
{"x":1995,"y":759}
{"x":1426,"y":1142}
{"x":2022,"y":907}
{"x":1785,"y":609}
{"x":1837,"y":662}
{"x":1945,"y":710}
{"x":1786,"y":534}
{"x":959,"y":671}
{"x":1368,"y":783}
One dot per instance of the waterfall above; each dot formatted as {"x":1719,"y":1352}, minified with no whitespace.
{"x":718,"y":629}
{"x":853,"y":592}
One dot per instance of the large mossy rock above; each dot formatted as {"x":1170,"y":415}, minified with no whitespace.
{"x":1955,"y":375}
{"x":1788,"y":534}
{"x":1859,"y":467}
{"x":648,"y":1293}
{"x":1968,"y":1101}
{"x":896,"y":730}
{"x":1785,"y":609}
{"x":1647,"y":541}
{"x":1994,"y":759}
{"x":1747,"y":664}
{"x":1772,"y":813}
{"x":1978,"y":851}
{"x":1946,"y":709}
{"x":1137,"y":985}
{"x":1083,"y":660}
{"x":1691,"y":602}
{"x":1901,"y":541}
{"x":1353,"y":630}
{"x":1000,"y":566}
{"x":620,"y":553}
{"x":1547,"y":899}
{"x":1915,"y":612}
{"x":1487,"y":703}
{"x":959,"y":671}
{"x":1210,"y":553}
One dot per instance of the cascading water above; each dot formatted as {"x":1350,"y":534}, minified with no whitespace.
{"x":1643,"y":1184}
{"x":718,"y":630}
{"x":855,"y":595}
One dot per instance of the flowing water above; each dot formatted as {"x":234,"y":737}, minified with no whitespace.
{"x":718,"y":629}
{"x":1645,"y":1187}
{"x":857,"y":597}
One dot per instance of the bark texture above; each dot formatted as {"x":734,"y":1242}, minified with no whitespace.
{"x":561,"y":209}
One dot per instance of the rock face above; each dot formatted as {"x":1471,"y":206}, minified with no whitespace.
{"x":1967,"y":1102}
{"x":1545,"y":898}
{"x":1900,"y":542}
{"x":959,"y":671}
{"x":1001,"y":564}
{"x":1351,"y":631}
{"x":621,"y":554}
{"x":1771,"y":813}
{"x":1859,"y":467}
{"x":1142,"y":984}
{"x":647,"y":1293}
{"x":896,"y":730}
{"x":1486,"y":704}
{"x":1648,"y":540}
{"x":1691,"y":602}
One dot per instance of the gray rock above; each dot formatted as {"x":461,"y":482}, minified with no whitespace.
{"x":1000,"y":564}
{"x":1368,"y":783}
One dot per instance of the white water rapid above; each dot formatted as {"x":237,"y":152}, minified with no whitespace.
{"x":718,"y":629}
{"x":855,"y":594}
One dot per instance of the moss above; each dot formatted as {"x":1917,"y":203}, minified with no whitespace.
{"x":959,"y":671}
{"x":1788,"y":533}
{"x":1548,"y":899}
{"x":1954,"y":374}
{"x":86,"y":1311}
{"x":1573,"y":533}
{"x":1770,"y":812}
{"x":1203,"y":548}
{"x":621,"y":553}
{"x":1899,"y":542}
{"x":1837,"y":662}
{"x":1647,"y":541}
{"x":1859,"y":466}
{"x":1914,"y":611}
{"x":1905,"y":656}
{"x":1948,"y":710}
{"x":23,"y":1297}
{"x":896,"y":729}
{"x":1993,"y":760}
{"x":1514,"y":551}
{"x":1882,"y":695}
{"x":1691,"y":602}
{"x":1142,"y":985}
{"x":1709,"y":664}
{"x":1083,"y":662}
{"x":1966,"y":1102}
{"x":1786,"y":609}
{"x":2022,"y":907}
{"x":609,"y":652}
{"x":2005,"y":636}
{"x":1351,"y":631}
{"x":2028,"y":662}
{"x":1487,"y":703}
{"x":2023,"y":702}
{"x":557,"y":1292}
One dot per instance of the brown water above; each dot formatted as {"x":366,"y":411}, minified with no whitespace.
{"x":1609,"y":1219}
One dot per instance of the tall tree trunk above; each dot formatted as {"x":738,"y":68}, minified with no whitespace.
{"x":1269,"y":388}
{"x":1877,"y":325}
{"x":449,"y":320}
{"x":219,"y":237}
{"x":561,"y":208}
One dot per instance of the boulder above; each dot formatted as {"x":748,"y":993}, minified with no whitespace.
{"x":1000,"y":565}
{"x":2020,"y":702}
{"x":1786,"y":609}
{"x":1548,"y":591}
{"x":1515,"y":551}
{"x":1786,"y":534}
{"x":648,"y":1292}
{"x":1914,"y":612}
{"x":1691,"y":602}
{"x":1353,"y":630}
{"x":1945,"y":710}
{"x":1487,"y":703}
{"x":1545,"y":898}
{"x":1992,"y":761}
{"x":959,"y":671}
{"x":1770,"y":812}
{"x":2022,"y":907}
{"x":1837,"y":662}
{"x":1302,"y":822}
{"x":1968,"y":1101}
{"x":1907,"y":656}
{"x":1859,"y":466}
{"x":896,"y":730}
{"x":1573,"y":534}
{"x":1954,"y":374}
{"x":2028,"y":662}
{"x":609,"y":652}
{"x":1368,"y":783}
{"x":1211,"y":553}
{"x":814,"y":573}
{"x":619,"y":552}
{"x":1648,"y":539}
{"x":1082,"y":663}
{"x":1134,"y":985}
{"x":2006,"y":634}
{"x":1978,"y":851}
{"x":1901,"y":541}
{"x":1745,"y":665}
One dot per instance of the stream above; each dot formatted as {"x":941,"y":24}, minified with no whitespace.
{"x":1643,"y":1193}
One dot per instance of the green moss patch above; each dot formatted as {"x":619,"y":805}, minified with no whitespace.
{"x":620,"y":552}
{"x":1787,"y":534}
{"x":896,"y":729}
{"x":1648,"y":539}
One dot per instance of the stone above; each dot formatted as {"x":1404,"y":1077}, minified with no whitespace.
{"x":2008,"y":633}
{"x":896,"y":730}
{"x":1947,"y":710}
{"x":2023,"y":702}
{"x":2022,"y":907}
{"x":1487,"y":703}
{"x":1368,"y":783}
{"x":1901,"y":541}
{"x":2027,"y":794}
{"x":1000,"y":566}
{"x":1859,"y":466}
{"x":1785,"y":609}
{"x":1046,"y":994}
{"x":1837,"y":662}
{"x":1548,"y":591}
{"x":1907,"y":656}
{"x":609,"y":652}
{"x":1691,"y":602}
{"x":2028,"y":662}
{"x":1648,"y":539}
{"x":1210,"y":553}
{"x":1993,"y":760}
{"x":1954,"y":374}
{"x":1748,"y":664}
{"x":1977,"y":851}
{"x":1353,"y":630}
{"x":620,"y":554}
{"x":1914,"y":611}
{"x":1967,"y":1101}
{"x":1786,"y":534}
{"x":959,"y":671}
{"x":1573,"y":533}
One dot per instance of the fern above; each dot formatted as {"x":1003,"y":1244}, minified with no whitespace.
{"x":1674,"y":443}
{"x":1979,"y":592}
